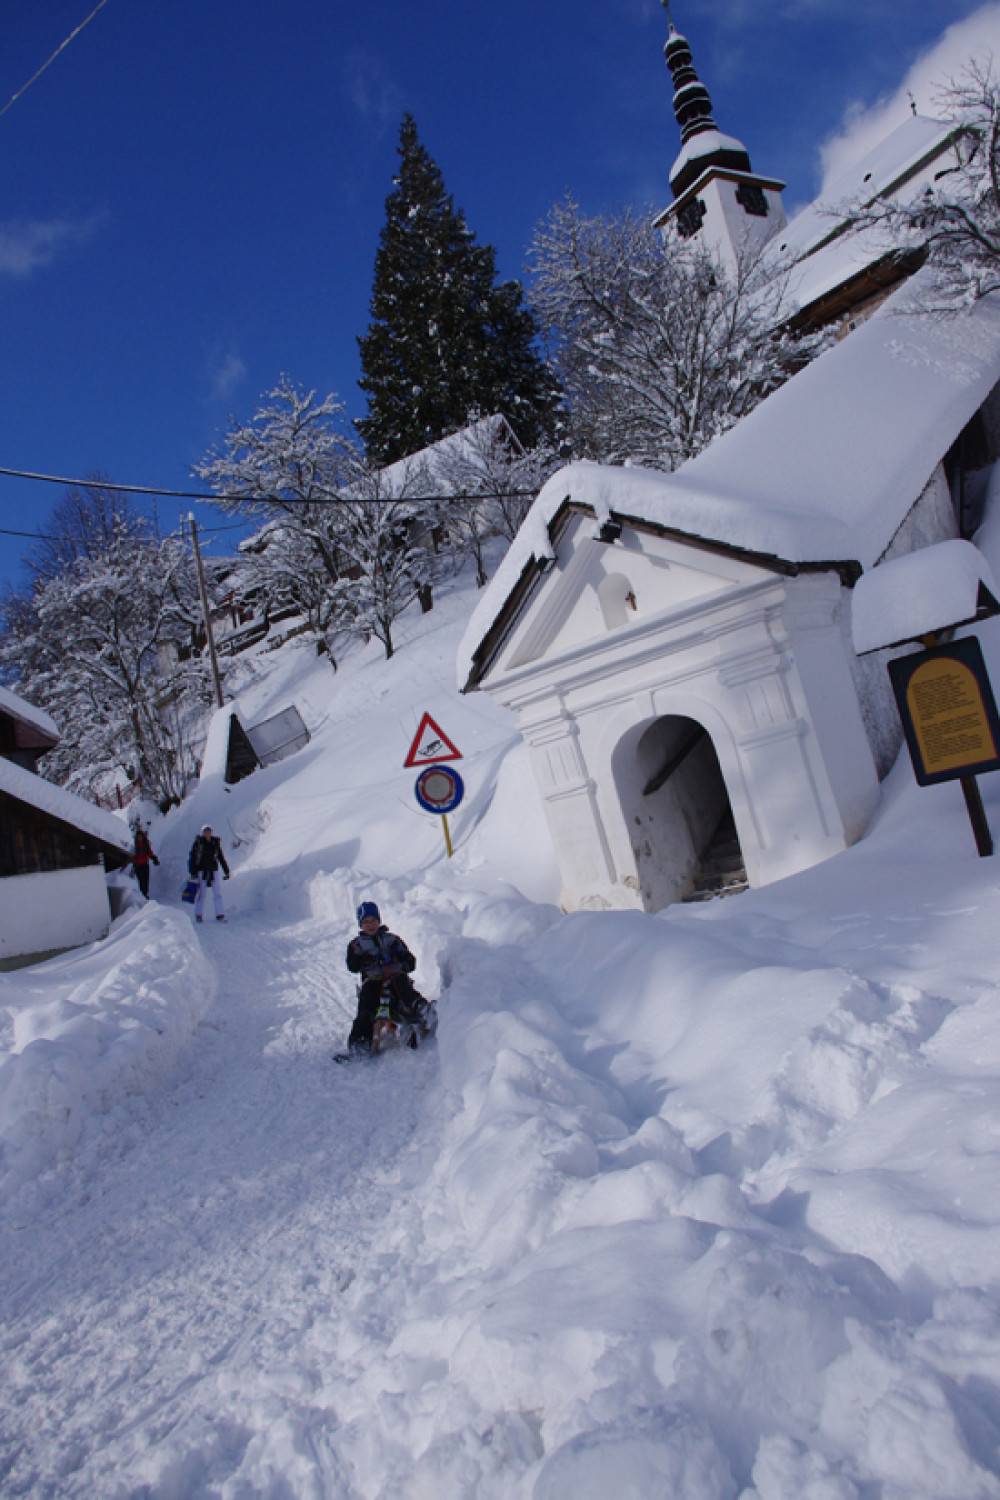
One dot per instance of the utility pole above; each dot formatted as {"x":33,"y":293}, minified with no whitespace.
{"x":203,"y":592}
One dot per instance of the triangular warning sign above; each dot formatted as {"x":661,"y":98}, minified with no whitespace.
{"x":430,"y":744}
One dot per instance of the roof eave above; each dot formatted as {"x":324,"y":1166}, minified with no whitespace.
{"x":849,"y":571}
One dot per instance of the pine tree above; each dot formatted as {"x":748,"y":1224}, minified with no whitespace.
{"x":445,"y":337}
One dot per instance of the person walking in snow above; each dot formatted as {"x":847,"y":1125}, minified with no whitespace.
{"x":384,"y":962}
{"x":142,"y":853}
{"x":203,"y":865}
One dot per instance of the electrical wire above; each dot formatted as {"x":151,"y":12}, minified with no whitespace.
{"x":62,"y":46}
{"x":38,"y":536}
{"x":223,"y":497}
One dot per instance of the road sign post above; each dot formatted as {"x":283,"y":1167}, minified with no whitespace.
{"x":439,"y":789}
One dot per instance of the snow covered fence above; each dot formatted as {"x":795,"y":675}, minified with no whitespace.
{"x":84,"y":1031}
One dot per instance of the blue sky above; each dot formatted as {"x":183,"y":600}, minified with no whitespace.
{"x":191,"y":195}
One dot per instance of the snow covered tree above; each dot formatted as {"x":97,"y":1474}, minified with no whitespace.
{"x":278,"y":566}
{"x":445,"y":337}
{"x":956,"y":219}
{"x":88,"y":520}
{"x":492,"y":482}
{"x":292,"y":464}
{"x":341,"y":538}
{"x":97,"y":649}
{"x":385,"y":535}
{"x":657,"y":348}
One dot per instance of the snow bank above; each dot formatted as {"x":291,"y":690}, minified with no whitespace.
{"x":81,"y":1033}
{"x":715,"y":1211}
{"x":704,"y":1205}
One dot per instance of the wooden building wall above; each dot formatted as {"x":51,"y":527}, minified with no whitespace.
{"x":32,"y":841}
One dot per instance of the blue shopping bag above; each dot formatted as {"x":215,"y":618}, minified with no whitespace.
{"x":189,"y":890}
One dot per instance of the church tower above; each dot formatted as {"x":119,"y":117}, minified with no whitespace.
{"x":719,"y":200}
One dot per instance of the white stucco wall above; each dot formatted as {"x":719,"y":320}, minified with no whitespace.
{"x":53,"y":909}
{"x":727,"y":229}
{"x":756,"y":658}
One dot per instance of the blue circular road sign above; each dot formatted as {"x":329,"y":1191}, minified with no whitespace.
{"x":439,"y":789}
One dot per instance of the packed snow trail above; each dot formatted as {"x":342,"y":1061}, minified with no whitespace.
{"x":229,"y":1214}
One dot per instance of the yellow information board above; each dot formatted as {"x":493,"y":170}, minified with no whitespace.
{"x":948,"y":711}
{"x":949,"y":716}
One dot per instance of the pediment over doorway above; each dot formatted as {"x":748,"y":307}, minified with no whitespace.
{"x":596,"y":589}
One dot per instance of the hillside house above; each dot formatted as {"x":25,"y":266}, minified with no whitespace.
{"x":54,"y":847}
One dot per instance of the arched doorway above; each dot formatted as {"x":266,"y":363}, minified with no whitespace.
{"x":674,"y":799}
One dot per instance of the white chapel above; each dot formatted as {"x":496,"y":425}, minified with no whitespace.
{"x":677,"y":647}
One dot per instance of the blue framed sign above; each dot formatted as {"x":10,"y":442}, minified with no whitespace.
{"x":439,"y":789}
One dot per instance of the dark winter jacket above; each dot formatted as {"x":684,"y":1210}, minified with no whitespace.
{"x":383,"y":953}
{"x":205,"y":858}
{"x":142,"y":853}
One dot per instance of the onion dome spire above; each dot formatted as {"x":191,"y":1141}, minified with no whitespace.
{"x":693,"y":109}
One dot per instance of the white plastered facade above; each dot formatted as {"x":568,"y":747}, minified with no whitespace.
{"x":626,"y":649}
{"x":727,"y":228}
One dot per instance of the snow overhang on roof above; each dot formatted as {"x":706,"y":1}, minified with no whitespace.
{"x":34,"y":791}
{"x":821,"y":474}
{"x":925,"y":592}
{"x":26,"y":713}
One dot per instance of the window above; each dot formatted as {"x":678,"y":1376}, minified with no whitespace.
{"x":752,"y":199}
{"x":616,"y":597}
{"x":691,"y":217}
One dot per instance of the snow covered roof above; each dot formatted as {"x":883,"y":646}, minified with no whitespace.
{"x":704,"y":144}
{"x":948,"y":584}
{"x":33,"y":790}
{"x":817,"y":238}
{"x":26,"y":713}
{"x":457,"y":445}
{"x":823,"y":471}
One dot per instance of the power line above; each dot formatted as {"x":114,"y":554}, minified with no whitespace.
{"x":38,"y":536}
{"x":140,"y":489}
{"x":124,"y":489}
{"x":62,"y":46}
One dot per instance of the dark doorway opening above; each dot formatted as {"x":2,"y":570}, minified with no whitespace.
{"x":676,"y":805}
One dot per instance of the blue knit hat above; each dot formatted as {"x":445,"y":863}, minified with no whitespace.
{"x":368,"y":909}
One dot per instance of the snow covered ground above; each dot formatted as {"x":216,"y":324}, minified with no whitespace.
{"x":703,"y":1205}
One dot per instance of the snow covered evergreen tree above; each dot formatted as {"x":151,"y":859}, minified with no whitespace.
{"x":445,"y":337}
{"x":658,"y":349}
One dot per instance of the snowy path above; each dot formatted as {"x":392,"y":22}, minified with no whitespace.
{"x":223,"y":1224}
